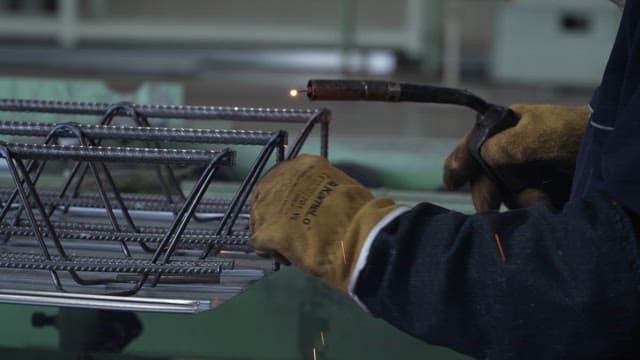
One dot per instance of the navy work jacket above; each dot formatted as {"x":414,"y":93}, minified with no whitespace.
{"x":609,"y":159}
{"x":530,"y":283}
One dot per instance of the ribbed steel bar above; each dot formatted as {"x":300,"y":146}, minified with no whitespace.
{"x":13,"y":260}
{"x":116,"y":154}
{"x":87,"y":226}
{"x":238,"y":137}
{"x":236,"y":241}
{"x":161,"y":111}
{"x":49,"y":199}
{"x":83,"y":228}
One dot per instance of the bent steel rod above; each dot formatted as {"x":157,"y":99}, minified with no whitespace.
{"x":245,"y":188}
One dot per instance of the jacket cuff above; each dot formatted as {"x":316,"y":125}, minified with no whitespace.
{"x":364,"y":251}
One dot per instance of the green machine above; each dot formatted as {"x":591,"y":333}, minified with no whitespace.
{"x":285,"y":315}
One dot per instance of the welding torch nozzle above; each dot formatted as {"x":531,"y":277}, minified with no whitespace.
{"x":374,"y":90}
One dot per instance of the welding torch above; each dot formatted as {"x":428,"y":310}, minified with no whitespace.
{"x":490,"y":120}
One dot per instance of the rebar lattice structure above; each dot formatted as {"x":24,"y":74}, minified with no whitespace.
{"x":85,"y":242}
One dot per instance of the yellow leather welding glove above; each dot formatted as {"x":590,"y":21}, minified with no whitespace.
{"x":316,"y":216}
{"x":545,"y":134}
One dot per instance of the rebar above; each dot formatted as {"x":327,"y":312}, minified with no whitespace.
{"x":237,"y":137}
{"x":236,"y":241}
{"x":26,"y":261}
{"x":115,"y":154}
{"x":89,"y":226}
{"x":74,"y":231}
{"x":232,"y":113}
{"x":133,"y":202}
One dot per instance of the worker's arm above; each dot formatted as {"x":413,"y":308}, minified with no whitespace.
{"x":549,"y":285}
{"x":526,"y":283}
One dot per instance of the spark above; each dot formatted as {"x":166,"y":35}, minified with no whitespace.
{"x":295,"y":92}
{"x":344,"y":255}
{"x":322,"y":337}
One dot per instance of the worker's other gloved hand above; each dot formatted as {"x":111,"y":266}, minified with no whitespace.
{"x":546,"y":137}
{"x":316,"y":216}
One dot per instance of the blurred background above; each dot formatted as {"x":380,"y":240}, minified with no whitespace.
{"x":250,"y":53}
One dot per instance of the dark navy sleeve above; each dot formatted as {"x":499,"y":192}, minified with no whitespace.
{"x":610,"y":151}
{"x":522,"y":284}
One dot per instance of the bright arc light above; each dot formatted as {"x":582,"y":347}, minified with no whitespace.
{"x":293,"y":93}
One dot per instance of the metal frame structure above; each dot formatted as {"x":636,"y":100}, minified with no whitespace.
{"x":105,"y":244}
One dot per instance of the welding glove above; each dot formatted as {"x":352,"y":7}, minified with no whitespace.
{"x":546,"y":134}
{"x":315,"y":216}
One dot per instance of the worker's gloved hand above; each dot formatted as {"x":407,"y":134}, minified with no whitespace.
{"x":541,"y":150}
{"x":315,"y":216}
